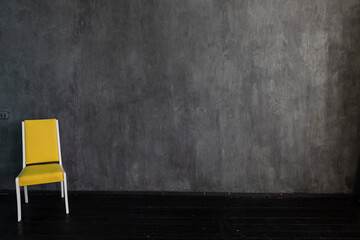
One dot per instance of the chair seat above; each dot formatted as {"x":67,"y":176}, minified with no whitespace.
{"x":39,"y":174}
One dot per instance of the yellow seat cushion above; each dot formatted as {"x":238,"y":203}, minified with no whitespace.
{"x":39,"y":174}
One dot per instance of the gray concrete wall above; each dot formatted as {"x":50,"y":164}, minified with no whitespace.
{"x":219,"y":96}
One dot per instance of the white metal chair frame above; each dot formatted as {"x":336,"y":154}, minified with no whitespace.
{"x":63,"y":183}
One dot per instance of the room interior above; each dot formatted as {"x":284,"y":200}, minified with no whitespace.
{"x":184,"y":119}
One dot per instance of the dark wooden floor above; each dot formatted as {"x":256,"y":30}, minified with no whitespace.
{"x":172,"y":216}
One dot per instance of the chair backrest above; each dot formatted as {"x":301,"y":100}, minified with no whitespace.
{"x":41,"y":141}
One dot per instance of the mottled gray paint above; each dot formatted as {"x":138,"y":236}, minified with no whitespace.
{"x":240,"y":96}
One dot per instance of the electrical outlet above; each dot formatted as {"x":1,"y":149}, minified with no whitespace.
{"x":4,"y":115}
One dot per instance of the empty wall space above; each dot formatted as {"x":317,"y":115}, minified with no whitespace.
{"x":187,"y":95}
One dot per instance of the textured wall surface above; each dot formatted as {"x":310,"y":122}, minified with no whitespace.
{"x":184,"y":95}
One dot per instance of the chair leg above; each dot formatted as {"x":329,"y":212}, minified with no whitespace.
{"x":26,"y":194}
{"x":62,"y":189}
{"x":18,"y":199}
{"x":66,"y":195}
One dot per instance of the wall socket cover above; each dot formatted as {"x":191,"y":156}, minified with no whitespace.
{"x":4,"y":114}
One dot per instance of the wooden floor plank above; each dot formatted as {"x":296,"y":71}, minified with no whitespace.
{"x":171,"y":216}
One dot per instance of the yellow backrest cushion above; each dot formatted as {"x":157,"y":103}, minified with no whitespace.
{"x":41,"y":141}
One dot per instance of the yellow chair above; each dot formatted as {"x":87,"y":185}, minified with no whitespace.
{"x":41,"y":158}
